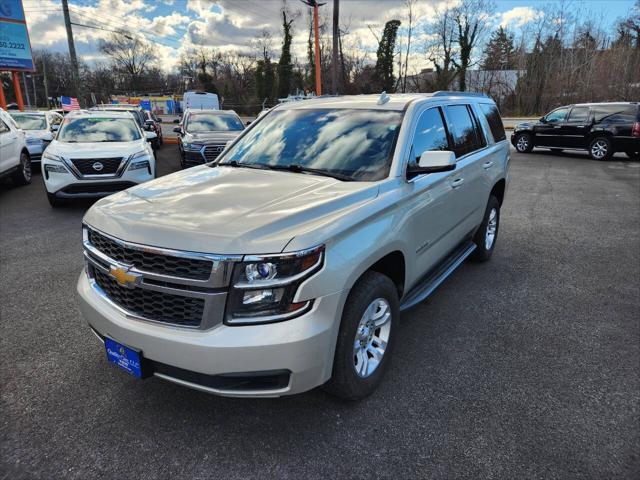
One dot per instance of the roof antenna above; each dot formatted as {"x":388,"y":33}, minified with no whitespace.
{"x":384,"y":98}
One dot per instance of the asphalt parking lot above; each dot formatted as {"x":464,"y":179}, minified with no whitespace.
{"x":524,"y":367}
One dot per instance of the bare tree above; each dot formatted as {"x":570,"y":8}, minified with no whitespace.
{"x":131,"y":55}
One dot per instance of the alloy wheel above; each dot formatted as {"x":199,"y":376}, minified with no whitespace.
{"x":372,"y":337}
{"x":599,"y":149}
{"x":492,"y":226}
{"x":522,"y":144}
{"x":26,"y":167}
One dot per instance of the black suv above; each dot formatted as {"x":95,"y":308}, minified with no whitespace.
{"x":600,"y":128}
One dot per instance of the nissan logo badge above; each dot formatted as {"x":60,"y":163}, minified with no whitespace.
{"x":98,"y":166}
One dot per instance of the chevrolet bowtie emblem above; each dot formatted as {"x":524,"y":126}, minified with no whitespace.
{"x":124,"y":277}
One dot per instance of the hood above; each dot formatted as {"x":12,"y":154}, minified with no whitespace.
{"x":211,"y":137}
{"x":525,"y":125}
{"x":96,"y":149}
{"x":40,"y":134}
{"x":227,"y":210}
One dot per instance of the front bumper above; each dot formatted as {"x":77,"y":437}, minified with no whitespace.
{"x":303,"y":346}
{"x":67,"y":185}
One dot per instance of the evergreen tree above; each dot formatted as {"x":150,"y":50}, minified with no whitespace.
{"x":499,"y":53}
{"x":285,"y":68}
{"x":386,"y":50}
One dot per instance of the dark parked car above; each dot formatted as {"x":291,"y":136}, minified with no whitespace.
{"x":151,"y":120}
{"x":600,"y":128}
{"x":203,"y":134}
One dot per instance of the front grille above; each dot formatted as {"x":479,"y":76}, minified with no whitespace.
{"x":86,"y":165}
{"x":152,"y":262}
{"x":96,"y":188}
{"x":149,"y":304}
{"x":211,"y":152}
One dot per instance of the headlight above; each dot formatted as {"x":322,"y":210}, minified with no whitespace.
{"x":263,"y":287}
{"x":193,"y":147}
{"x":34,"y":141}
{"x":56,"y":168}
{"x":51,"y":156}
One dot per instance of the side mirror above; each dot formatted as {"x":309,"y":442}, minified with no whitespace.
{"x":543,"y":120}
{"x":149,"y":123}
{"x":433,"y":161}
{"x":55,"y":128}
{"x":150,"y":136}
{"x":247,"y":123}
{"x":177,"y":130}
{"x":48,"y":137}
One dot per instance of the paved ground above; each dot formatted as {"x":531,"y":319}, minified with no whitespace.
{"x":524,"y":367}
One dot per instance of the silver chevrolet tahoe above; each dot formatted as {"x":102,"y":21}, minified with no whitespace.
{"x":285,"y":264}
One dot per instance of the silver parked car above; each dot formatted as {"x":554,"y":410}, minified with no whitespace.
{"x":284,"y":265}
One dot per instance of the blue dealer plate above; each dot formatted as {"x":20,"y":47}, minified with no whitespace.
{"x":124,"y":357}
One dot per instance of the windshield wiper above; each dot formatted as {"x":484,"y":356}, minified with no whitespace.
{"x":235,"y":163}
{"x":297,"y":168}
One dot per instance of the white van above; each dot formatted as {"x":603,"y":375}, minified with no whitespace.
{"x":200,"y":101}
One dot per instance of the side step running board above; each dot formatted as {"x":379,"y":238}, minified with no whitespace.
{"x":427,"y":286}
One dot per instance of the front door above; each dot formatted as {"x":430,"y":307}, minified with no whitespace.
{"x":547,"y":131}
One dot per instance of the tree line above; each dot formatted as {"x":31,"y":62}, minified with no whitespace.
{"x":561,"y":57}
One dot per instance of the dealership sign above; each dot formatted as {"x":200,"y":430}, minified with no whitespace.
{"x":15,"y":47}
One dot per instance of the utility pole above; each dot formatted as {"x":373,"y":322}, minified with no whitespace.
{"x":44,"y":80}
{"x":336,"y":37}
{"x":72,"y":49}
{"x":26,"y":89}
{"x":315,"y":5}
{"x":35,"y":95}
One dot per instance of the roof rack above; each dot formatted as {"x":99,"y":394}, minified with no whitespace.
{"x":446,"y":93}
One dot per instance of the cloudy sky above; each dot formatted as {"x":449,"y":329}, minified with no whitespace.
{"x":176,"y":25}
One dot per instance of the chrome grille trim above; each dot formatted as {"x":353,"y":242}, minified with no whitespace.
{"x":76,"y":173}
{"x":212,"y":291}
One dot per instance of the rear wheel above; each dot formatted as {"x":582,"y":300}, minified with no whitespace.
{"x":601,"y":148}
{"x":366,"y":337}
{"x":633,"y":155}
{"x":524,"y":142}
{"x":22,"y":175}
{"x":487,"y":234}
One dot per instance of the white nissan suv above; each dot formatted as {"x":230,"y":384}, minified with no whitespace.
{"x":96,"y":154}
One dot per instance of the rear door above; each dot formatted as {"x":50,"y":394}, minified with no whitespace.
{"x":574,"y":131}
{"x":548,"y":129}
{"x":9,"y":147}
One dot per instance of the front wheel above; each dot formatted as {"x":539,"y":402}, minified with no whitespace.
{"x":366,"y":337}
{"x":524,"y":143}
{"x":487,"y":234}
{"x":22,"y":175}
{"x":601,"y":148}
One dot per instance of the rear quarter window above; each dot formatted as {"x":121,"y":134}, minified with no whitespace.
{"x":463,"y":129}
{"x":495,"y":121}
{"x":615,"y":113}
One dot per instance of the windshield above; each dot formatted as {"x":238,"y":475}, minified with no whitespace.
{"x":97,"y":129}
{"x":30,"y":122}
{"x":353,"y":143}
{"x":212,"y":122}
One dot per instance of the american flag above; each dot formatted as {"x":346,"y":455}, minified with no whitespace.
{"x":69,"y":103}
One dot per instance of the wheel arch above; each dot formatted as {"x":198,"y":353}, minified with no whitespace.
{"x":498,"y":190}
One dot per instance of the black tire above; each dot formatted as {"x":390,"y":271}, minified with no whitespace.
{"x":345,"y":382}
{"x":524,"y":142}
{"x":601,"y":149}
{"x":633,"y":155}
{"x":22,"y":175}
{"x":556,"y":150}
{"x":54,"y":201}
{"x":482,"y":253}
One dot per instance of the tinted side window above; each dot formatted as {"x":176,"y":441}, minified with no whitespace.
{"x":495,"y":121}
{"x":579,"y":114}
{"x":462,"y":129}
{"x":430,"y":134}
{"x":557,"y":115}
{"x":616,"y":113}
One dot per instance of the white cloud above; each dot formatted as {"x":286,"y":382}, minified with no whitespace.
{"x":520,"y":16}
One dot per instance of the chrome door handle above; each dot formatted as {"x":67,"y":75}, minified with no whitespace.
{"x":457,"y":182}
{"x":486,"y":165}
